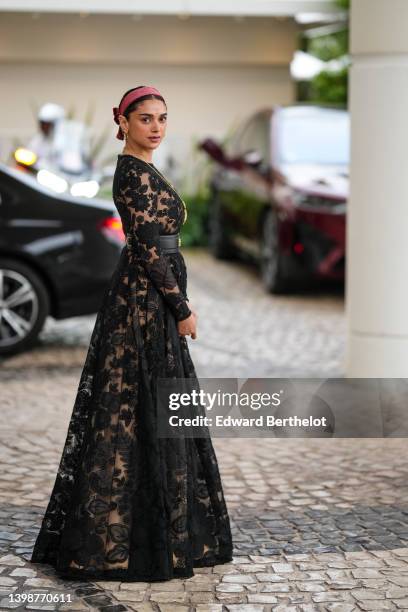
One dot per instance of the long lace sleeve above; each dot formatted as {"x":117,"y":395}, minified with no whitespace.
{"x":140,"y":192}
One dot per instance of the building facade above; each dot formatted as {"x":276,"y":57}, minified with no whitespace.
{"x":215,"y":64}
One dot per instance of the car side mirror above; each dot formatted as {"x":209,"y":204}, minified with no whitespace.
{"x":213,"y":149}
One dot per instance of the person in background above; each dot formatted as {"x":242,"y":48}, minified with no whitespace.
{"x":43,"y":143}
{"x":61,"y":144}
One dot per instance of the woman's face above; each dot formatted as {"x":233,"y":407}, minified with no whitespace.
{"x":146,"y":125}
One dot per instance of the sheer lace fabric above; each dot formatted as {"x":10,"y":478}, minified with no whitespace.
{"x":126,"y":504}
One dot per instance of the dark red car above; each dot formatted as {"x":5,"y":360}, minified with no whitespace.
{"x":279,"y":191}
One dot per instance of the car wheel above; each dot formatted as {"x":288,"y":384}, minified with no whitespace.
{"x":218,"y":241}
{"x":24,"y":306}
{"x":271,"y":258}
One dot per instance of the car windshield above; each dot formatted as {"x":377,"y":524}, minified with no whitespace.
{"x":320,"y":137}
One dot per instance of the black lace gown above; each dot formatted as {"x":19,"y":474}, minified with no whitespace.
{"x":126,"y":504}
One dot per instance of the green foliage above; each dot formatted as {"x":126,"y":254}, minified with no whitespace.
{"x":330,"y":88}
{"x":194,"y":230}
{"x":330,"y":46}
{"x":106,"y":192}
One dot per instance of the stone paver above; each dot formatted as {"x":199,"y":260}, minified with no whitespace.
{"x":318,"y":524}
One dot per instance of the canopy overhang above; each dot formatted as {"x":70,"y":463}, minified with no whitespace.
{"x":250,"y":8}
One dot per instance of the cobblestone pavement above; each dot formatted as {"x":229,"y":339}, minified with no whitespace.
{"x":318,"y":524}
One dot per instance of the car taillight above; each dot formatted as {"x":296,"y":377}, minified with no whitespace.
{"x":111,"y":227}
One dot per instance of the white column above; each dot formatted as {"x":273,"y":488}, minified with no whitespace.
{"x":377,"y":222}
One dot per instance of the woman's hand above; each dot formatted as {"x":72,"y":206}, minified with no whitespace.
{"x":188,"y":327}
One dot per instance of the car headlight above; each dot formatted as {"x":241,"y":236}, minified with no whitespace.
{"x":25,"y":156}
{"x":87,"y":189}
{"x":51,"y":180}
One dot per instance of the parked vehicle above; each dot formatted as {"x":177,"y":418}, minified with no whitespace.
{"x":59,"y":154}
{"x":279,"y":192}
{"x":57,"y":254}
{"x":84,"y":182}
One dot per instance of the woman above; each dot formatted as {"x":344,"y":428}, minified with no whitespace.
{"x":127,"y":504}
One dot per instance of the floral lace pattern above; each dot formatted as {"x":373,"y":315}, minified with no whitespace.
{"x":127,"y":505}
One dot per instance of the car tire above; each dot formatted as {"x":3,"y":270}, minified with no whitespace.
{"x":23,"y":319}
{"x":272,"y":275}
{"x":218,"y":241}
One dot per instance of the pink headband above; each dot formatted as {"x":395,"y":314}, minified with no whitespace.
{"x":127,"y":100}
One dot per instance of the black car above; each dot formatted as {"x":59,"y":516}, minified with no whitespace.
{"x":57,"y":254}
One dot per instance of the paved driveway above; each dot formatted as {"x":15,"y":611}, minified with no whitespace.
{"x":318,"y":524}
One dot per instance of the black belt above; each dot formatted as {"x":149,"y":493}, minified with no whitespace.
{"x":169,"y":243}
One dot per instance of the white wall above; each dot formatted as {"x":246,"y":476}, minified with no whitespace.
{"x":211,"y":71}
{"x":165,"y":40}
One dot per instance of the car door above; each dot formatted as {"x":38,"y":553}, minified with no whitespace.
{"x":253,"y":191}
{"x":229,"y":183}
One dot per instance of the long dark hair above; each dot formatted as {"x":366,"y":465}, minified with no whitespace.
{"x":133,"y":106}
